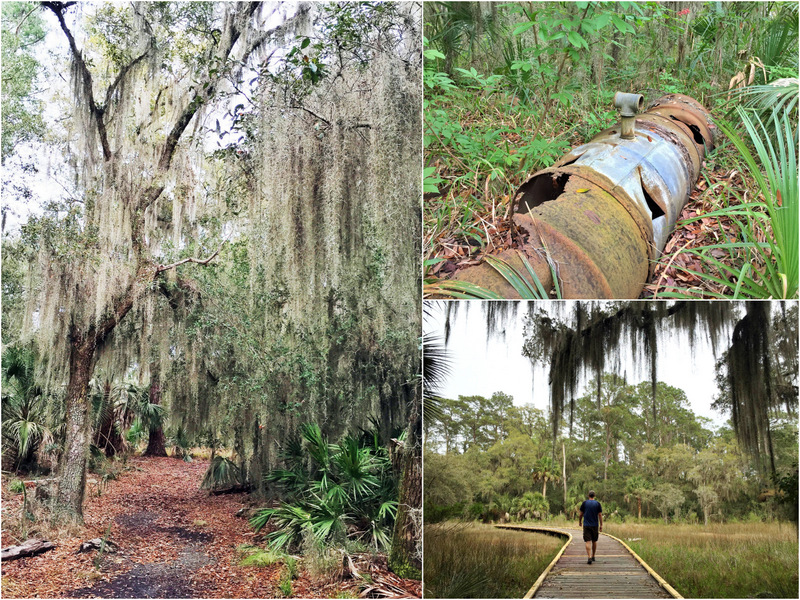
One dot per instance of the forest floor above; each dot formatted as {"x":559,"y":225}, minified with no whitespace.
{"x":175,"y":541}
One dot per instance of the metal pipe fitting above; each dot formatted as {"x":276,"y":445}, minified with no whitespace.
{"x":602,"y":214}
{"x":628,"y":106}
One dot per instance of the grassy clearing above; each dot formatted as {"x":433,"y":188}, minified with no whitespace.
{"x":746,"y":560}
{"x":478,"y":561}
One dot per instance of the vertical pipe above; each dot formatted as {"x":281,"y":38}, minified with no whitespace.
{"x":628,"y":105}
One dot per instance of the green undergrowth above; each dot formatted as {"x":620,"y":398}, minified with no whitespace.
{"x":253,"y":556}
{"x":736,"y":560}
{"x":480,"y":561}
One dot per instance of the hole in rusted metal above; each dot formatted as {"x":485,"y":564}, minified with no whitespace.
{"x":698,"y":137}
{"x":542,"y":189}
{"x":655,"y":209}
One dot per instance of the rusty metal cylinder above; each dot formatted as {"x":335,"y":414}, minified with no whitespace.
{"x":602,"y":214}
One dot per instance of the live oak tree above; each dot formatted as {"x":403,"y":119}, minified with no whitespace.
{"x":590,"y":339}
{"x":164,"y":64}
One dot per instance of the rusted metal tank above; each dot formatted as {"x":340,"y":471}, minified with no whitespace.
{"x":602,"y":214}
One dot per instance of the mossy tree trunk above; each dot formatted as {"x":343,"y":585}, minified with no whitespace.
{"x":72,"y":465}
{"x":83,"y":350}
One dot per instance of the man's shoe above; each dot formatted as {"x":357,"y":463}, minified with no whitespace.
{"x":588,"y":562}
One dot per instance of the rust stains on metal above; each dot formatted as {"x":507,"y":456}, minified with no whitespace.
{"x":603,"y":212}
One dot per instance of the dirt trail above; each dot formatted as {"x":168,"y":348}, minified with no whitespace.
{"x":175,"y":541}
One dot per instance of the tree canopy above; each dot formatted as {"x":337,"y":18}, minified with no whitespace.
{"x":237,"y":224}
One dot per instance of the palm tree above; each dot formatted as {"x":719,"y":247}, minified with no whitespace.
{"x":636,"y":487}
{"x":530,"y":504}
{"x":24,"y":406}
{"x":334,"y":490}
{"x":544,"y":471}
{"x":574,"y":499}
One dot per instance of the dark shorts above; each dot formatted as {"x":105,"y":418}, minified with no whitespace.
{"x":590,"y":534}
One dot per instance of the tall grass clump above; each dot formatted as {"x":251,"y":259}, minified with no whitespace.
{"x":768,"y":228}
{"x":731,"y":560}
{"x":480,"y":561}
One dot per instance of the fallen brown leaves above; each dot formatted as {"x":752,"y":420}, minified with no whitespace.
{"x":174,"y":538}
{"x":717,"y":188}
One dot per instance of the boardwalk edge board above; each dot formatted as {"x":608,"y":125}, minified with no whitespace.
{"x":661,"y":581}
{"x":549,"y":568}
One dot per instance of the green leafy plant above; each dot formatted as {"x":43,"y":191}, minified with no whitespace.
{"x":335,"y":491}
{"x":253,"y":556}
{"x":221,"y":473}
{"x":777,"y":214}
{"x":285,"y":585}
{"x":181,"y":444}
{"x":24,"y":407}
{"x":292,"y":567}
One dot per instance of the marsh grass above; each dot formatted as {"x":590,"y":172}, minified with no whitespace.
{"x":478,"y":561}
{"x":731,"y":560}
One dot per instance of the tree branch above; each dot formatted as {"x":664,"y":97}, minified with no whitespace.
{"x":112,"y":88}
{"x":228,"y":40}
{"x":183,"y":261}
{"x":58,"y":8}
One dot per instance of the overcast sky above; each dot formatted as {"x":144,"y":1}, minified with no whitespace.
{"x":480,"y":368}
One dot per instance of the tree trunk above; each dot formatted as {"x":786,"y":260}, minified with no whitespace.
{"x":405,"y":555}
{"x":639,"y":502}
{"x":72,"y":465}
{"x":156,"y":443}
{"x":107,"y":436}
{"x":68,"y":503}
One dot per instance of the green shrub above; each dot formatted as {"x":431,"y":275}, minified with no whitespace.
{"x":16,"y":486}
{"x":475,"y":511}
{"x":335,"y":491}
{"x":221,"y":473}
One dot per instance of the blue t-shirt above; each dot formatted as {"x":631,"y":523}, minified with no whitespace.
{"x":590,"y":510}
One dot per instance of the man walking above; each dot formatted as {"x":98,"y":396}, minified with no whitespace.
{"x":591,"y":518}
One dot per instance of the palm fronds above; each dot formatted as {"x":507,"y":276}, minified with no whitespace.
{"x":221,"y":473}
{"x":335,"y":490}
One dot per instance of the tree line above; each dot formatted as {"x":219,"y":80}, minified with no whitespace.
{"x":487,"y":458}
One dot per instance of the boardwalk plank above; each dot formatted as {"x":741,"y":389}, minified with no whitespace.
{"x":615,"y":573}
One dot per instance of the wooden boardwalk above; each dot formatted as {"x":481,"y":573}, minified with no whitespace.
{"x":616,"y":573}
